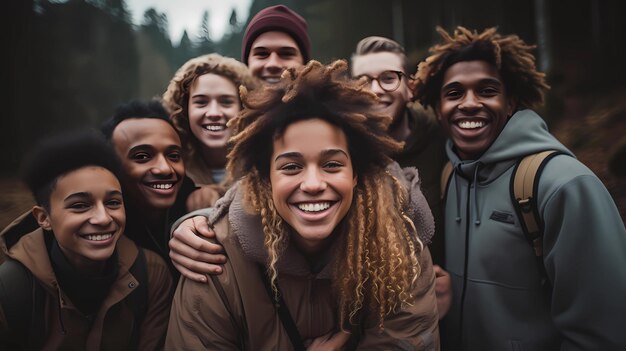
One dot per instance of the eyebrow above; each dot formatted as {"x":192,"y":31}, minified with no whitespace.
{"x":482,"y":81}
{"x":84,"y":194}
{"x":325,"y":153}
{"x":151,"y":147}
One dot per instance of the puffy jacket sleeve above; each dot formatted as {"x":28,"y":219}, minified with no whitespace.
{"x":585,"y":260}
{"x":160,"y":286}
{"x":414,"y":327}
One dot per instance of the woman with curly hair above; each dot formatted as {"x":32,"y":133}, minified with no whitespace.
{"x":321,"y":249}
{"x":201,"y":98}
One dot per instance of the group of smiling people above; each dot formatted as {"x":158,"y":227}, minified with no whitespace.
{"x":307,"y":200}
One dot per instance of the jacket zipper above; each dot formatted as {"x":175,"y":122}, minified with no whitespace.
{"x":467,"y":229}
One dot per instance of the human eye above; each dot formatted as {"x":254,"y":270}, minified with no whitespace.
{"x":78,"y":206}
{"x":114,"y":203}
{"x":290,"y":167}
{"x":388,"y":77}
{"x":174,"y":156}
{"x":452,"y":94}
{"x":140,"y":157}
{"x":333,"y":165}
{"x":287,"y":53}
{"x":227,"y":101}
{"x":199,"y":102}
{"x":489,"y":91}
{"x":261,"y":54}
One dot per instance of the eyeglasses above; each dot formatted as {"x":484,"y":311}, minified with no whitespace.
{"x":388,"y":80}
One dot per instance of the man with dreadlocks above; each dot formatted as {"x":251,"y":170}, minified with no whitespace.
{"x":482,"y":87}
{"x":322,"y":251}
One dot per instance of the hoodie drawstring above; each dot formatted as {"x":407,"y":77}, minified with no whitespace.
{"x":475,"y":186}
{"x":458,"y":196}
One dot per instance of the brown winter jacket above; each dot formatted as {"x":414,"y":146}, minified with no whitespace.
{"x":246,"y":319}
{"x":67,"y":328}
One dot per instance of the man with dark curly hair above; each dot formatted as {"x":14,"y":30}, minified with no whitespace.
{"x":568,"y":293}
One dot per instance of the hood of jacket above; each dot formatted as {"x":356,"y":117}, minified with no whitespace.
{"x":508,"y":147}
{"x":247,"y":227}
{"x":31,"y":250}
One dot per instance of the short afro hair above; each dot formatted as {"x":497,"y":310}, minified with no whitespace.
{"x":509,"y":54}
{"x":60,"y":154}
{"x":134,"y":109}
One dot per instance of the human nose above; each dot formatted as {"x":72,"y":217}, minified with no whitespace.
{"x":162,"y":166}
{"x":470,"y":101}
{"x":213,"y":110}
{"x":274,"y":63}
{"x":313,"y":182}
{"x":100,"y":216}
{"x":376,"y":88}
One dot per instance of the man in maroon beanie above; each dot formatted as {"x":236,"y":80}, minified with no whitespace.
{"x":276,"y":38}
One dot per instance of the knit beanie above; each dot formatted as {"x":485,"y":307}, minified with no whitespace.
{"x":277,"y":18}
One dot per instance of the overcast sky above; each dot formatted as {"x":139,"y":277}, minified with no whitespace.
{"x":187,"y":14}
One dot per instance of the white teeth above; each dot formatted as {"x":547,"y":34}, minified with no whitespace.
{"x":272,"y":80}
{"x":316,"y":207}
{"x":98,"y":237}
{"x":162,"y":186}
{"x":215,"y":127}
{"x":471,"y":125}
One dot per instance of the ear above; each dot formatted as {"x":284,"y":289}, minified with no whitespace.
{"x":42,"y":217}
{"x":511,"y":106}
{"x":354,"y":181}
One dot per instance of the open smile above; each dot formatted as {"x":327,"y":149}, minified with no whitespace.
{"x":162,"y":187}
{"x":99,"y":238}
{"x":314,"y":211}
{"x":214,"y":127}
{"x":271,"y":79}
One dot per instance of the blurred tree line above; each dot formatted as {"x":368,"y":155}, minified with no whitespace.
{"x":68,"y":63}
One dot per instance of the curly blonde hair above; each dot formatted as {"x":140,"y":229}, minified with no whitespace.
{"x":509,"y":54}
{"x":176,"y":97}
{"x":379,"y":242}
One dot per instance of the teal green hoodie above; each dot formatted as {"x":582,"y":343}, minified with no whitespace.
{"x":498,"y":300}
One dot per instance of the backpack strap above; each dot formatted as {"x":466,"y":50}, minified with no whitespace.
{"x":138,"y":299}
{"x":525,"y":188}
{"x":446,"y":173}
{"x":23,"y":311}
{"x":283,"y":312}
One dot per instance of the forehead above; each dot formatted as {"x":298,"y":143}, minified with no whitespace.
{"x":470,"y":72}
{"x":144,"y":131}
{"x":211,"y":81}
{"x":275,"y":40}
{"x":88,"y":179}
{"x":311,"y":135}
{"x":375,"y":63}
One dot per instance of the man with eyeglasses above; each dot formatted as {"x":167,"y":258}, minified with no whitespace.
{"x":384,"y":63}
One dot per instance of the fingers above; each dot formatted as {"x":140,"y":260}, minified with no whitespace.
{"x":443,"y":290}
{"x":200,"y":278}
{"x":202,"y":227}
{"x":211,"y":253}
{"x":194,"y":266}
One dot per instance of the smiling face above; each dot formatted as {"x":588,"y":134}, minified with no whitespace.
{"x":151,"y":158}
{"x":373,"y":65}
{"x":213,"y":101}
{"x":271,"y":53}
{"x":86,"y":215}
{"x":473,"y":107}
{"x":312,"y":180}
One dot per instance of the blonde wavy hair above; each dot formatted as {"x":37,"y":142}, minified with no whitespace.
{"x":379,"y":242}
{"x":509,"y":54}
{"x":176,"y":97}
